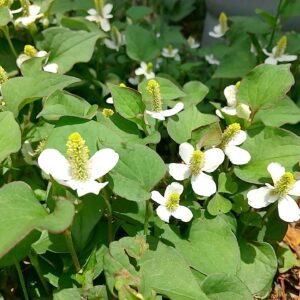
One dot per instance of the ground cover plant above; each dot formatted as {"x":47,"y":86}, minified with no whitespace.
{"x":137,"y":163}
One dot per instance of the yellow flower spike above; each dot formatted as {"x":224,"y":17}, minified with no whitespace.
{"x":281,"y":46}
{"x":40,"y":147}
{"x":229,"y":134}
{"x":78,"y":156}
{"x":99,"y":4}
{"x":237,"y":85}
{"x":284,"y":184}
{"x":30,"y":51}
{"x":173,"y":202}
{"x":107,"y":112}
{"x":3,"y":75}
{"x":197,"y":162}
{"x":2,"y":3}
{"x":153,"y":89}
{"x":149,"y":67}
{"x":122,"y":85}
{"x":223,"y":22}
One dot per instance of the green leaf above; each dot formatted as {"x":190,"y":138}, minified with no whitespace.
{"x":61,"y":103}
{"x":235,"y":64}
{"x":168,"y":90}
{"x":195,"y":92}
{"x":181,"y":126}
{"x":167,"y":272}
{"x":141,"y":44}
{"x":258,"y":267}
{"x":287,"y":258}
{"x":95,"y":292}
{"x":139,"y":169}
{"x":68,"y":47}
{"x":226,"y":184}
{"x":138,"y":12}
{"x":267,"y":145}
{"x":265,"y":85}
{"x":5,"y":16}
{"x":128,"y":103}
{"x":211,"y":236}
{"x":18,"y":205}
{"x":218,"y":205}
{"x":21,"y":90}
{"x":225,"y":287}
{"x":10,"y":135}
{"x":285,"y":112}
{"x":248,"y":24}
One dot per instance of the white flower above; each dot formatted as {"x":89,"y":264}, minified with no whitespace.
{"x":78,"y":171}
{"x":146,"y":70}
{"x":163,"y":114}
{"x":211,"y":59}
{"x":195,"y":164}
{"x":171,"y":52}
{"x":277,"y":54}
{"x":220,"y":29}
{"x":284,"y":187}
{"x":103,"y":20}
{"x":51,"y":68}
{"x":34,"y":14}
{"x":26,"y":55}
{"x":133,"y":80}
{"x":117,"y":40}
{"x":232,"y":137}
{"x":192,"y":43}
{"x":169,"y":204}
{"x":234,"y":108}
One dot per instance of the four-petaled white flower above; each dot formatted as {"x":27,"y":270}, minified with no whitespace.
{"x":220,"y":29}
{"x":103,"y":20}
{"x":284,"y":187}
{"x":277,"y":54}
{"x":33,"y":15}
{"x":234,"y":108}
{"x":78,"y":171}
{"x":145,"y":69}
{"x":195,"y":164}
{"x":169,"y":204}
{"x":232,"y":137}
{"x":171,"y":52}
{"x":163,"y":114}
{"x":192,"y":43}
{"x":211,"y":59}
{"x":24,"y":57}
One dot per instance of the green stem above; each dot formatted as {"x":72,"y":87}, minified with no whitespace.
{"x":275,"y":26}
{"x":109,"y":215}
{"x":68,"y":237}
{"x":7,"y":36}
{"x":36,"y":265}
{"x":22,"y":281}
{"x":268,"y":213}
{"x":147,"y":216}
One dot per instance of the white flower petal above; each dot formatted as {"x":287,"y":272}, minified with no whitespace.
{"x":229,"y":110}
{"x":219,"y":114}
{"x":261,"y":197}
{"x":139,"y":71}
{"x":173,"y":111}
{"x":149,"y":75}
{"x":163,"y":213}
{"x":110,"y":44}
{"x":237,"y":155}
{"x":158,"y":198}
{"x":230,"y":95}
{"x":174,"y":187}
{"x":92,"y":12}
{"x":183,"y":213}
{"x":295,"y":191}
{"x":203,"y":185}
{"x":104,"y":23}
{"x":286,"y":57}
{"x":276,"y":170}
{"x":186,"y":151}
{"x":266,"y":52}
{"x":179,"y":171}
{"x":41,"y":53}
{"x":288,"y":209}
{"x":102,"y":162}
{"x":271,"y":61}
{"x":107,"y":9}
{"x":22,"y":58}
{"x":213,"y":159}
{"x":238,"y":139}
{"x":110,"y":100}
{"x":90,"y":186}
{"x":53,"y":163}
{"x":211,"y":59}
{"x":155,"y":115}
{"x":243,"y":111}
{"x":34,"y":10}
{"x":51,"y":68}
{"x":92,"y":18}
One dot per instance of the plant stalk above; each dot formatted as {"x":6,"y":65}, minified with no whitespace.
{"x":69,"y":240}
{"x":22,"y":281}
